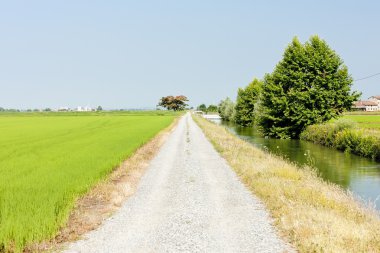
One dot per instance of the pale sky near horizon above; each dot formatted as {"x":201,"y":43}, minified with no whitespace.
{"x":128,"y":54}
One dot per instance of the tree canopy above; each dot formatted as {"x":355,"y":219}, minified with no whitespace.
{"x":202,"y":107}
{"x":226,"y":109}
{"x":309,"y":85}
{"x":206,"y":109}
{"x":175,"y":103}
{"x":212,"y":108}
{"x":246,"y":102}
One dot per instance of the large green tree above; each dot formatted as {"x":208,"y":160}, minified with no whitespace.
{"x":246,"y":102}
{"x":309,"y":85}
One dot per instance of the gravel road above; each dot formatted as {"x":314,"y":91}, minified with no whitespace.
{"x":189,"y":200}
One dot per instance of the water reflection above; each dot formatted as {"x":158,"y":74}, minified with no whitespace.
{"x":359,"y":175}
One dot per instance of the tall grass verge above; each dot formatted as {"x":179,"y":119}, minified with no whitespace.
{"x":344,"y":135}
{"x":315,"y":216}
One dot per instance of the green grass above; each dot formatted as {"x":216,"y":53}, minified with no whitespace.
{"x":47,"y":161}
{"x":344,"y":134}
{"x":365,"y":121}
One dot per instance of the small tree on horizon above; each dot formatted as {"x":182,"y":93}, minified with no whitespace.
{"x":212,"y":108}
{"x":309,"y":85}
{"x":202,"y":107}
{"x":99,"y":108}
{"x":175,"y":103}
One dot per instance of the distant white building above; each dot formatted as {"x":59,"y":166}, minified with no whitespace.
{"x":198,"y":112}
{"x":83,"y":109}
{"x":63,"y":109}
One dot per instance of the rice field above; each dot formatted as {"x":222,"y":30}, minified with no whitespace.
{"x":47,"y":161}
{"x":366,"y":121}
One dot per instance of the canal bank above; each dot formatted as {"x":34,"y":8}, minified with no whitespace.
{"x":359,"y":175}
{"x":316,"y":216}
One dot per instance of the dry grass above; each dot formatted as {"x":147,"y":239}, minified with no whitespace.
{"x":313,"y":215}
{"x":106,"y":197}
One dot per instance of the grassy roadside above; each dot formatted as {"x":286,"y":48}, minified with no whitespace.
{"x":313,"y":215}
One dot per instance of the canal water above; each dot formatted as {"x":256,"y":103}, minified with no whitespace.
{"x":360,"y":175}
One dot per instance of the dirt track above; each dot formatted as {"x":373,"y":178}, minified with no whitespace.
{"x":189,"y":200}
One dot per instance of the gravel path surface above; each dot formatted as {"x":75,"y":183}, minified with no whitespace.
{"x":189,"y":200}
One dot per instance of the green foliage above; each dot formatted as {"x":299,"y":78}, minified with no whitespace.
{"x":226,"y":109}
{"x":246,"y":102}
{"x":175,"y":103}
{"x":202,"y":108}
{"x":325,"y":134}
{"x":206,"y":109}
{"x":212,"y":108}
{"x":49,"y":161}
{"x":99,"y":108}
{"x":309,"y":85}
{"x":344,"y":123}
{"x":344,"y":135}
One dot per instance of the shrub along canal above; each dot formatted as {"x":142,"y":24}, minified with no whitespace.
{"x":360,"y":175}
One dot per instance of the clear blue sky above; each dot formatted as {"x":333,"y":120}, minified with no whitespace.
{"x":127,"y":54}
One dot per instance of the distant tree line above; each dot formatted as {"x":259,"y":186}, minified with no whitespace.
{"x":309,"y":85}
{"x":99,"y":108}
{"x":207,"y":109}
{"x":27,"y":110}
{"x":8,"y":110}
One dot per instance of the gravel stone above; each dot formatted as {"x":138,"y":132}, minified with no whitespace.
{"x":189,"y":200}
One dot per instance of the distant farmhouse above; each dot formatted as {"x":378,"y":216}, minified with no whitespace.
{"x":63,"y":109}
{"x":77,"y":109}
{"x":84,"y":109}
{"x":370,"y":105}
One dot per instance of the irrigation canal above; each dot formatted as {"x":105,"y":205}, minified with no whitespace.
{"x":360,"y":175}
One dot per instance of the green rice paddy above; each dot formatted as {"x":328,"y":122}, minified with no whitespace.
{"x":47,"y":161}
{"x":371,"y":121}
